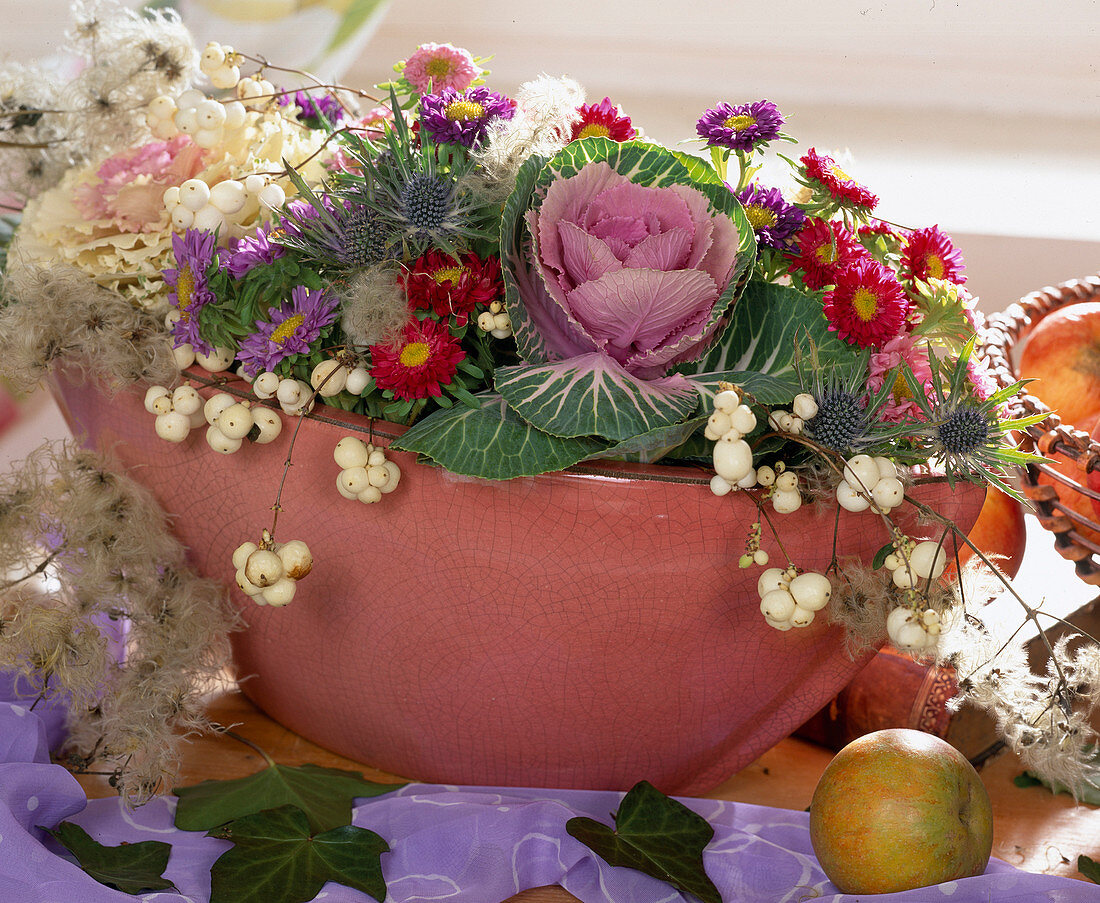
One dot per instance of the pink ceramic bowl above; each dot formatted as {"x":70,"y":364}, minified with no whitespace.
{"x":585,"y":629}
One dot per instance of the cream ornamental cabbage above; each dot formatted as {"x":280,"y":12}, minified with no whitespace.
{"x":85,"y":223}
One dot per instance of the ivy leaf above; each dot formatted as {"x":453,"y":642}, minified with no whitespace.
{"x":655,"y":835}
{"x":276,"y":859}
{"x":1088,"y":791}
{"x":1089,"y":868}
{"x":131,"y":868}
{"x":324,"y":795}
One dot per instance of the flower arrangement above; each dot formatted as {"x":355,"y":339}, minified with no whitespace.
{"x":525,"y":282}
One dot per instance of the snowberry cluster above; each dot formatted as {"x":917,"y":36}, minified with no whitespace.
{"x":216,"y":208}
{"x":269,"y":572}
{"x":870,"y":481}
{"x":330,"y":378}
{"x":915,"y":561}
{"x":495,"y":321}
{"x":295,"y":397}
{"x":221,"y":64}
{"x":911,"y":630}
{"x":732,"y":456}
{"x":733,"y":459}
{"x":177,"y":412}
{"x":365,"y":473}
{"x":205,"y":120}
{"x":790,"y":599}
{"x":231,"y":421}
{"x":802,"y":409}
{"x":217,"y":361}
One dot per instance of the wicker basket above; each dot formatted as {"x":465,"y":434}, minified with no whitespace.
{"x":1002,"y":334}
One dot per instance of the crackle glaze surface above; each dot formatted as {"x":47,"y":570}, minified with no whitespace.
{"x":586,"y":629}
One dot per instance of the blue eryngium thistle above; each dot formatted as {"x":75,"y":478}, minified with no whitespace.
{"x":841,"y":419}
{"x":424,"y":195}
{"x":966,"y":433}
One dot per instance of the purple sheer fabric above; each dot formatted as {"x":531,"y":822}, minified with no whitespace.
{"x":460,"y":844}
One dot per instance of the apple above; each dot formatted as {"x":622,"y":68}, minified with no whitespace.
{"x":1062,"y":355}
{"x":1000,"y":532}
{"x":899,"y":809}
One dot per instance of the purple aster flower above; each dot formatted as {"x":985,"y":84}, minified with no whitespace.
{"x":462,"y":117}
{"x":293,"y":327}
{"x":194,"y":252}
{"x":252,"y":251}
{"x":740,"y":128}
{"x":313,"y":111}
{"x":774,"y":221}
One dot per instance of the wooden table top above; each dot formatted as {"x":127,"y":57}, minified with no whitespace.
{"x":1033,"y":829}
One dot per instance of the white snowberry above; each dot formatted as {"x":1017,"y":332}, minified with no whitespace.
{"x":732,"y":460}
{"x":235,"y":421}
{"x":811,"y":590}
{"x":215,"y":404}
{"x":264,"y":567}
{"x":266,"y":384}
{"x":786,"y":502}
{"x":861,"y":472}
{"x":804,"y":406}
{"x":241,"y":553}
{"x":268,"y":424}
{"x":220,"y":442}
{"x":217,"y":361}
{"x":727,"y":401}
{"x":172,"y":426}
{"x":153,"y":393}
{"x":888,"y":493}
{"x":357,"y":381}
{"x":280,"y":593}
{"x":186,"y":400}
{"x":351,"y":452}
{"x":297,"y":559}
{"x":720,"y":486}
{"x":778,"y":604}
{"x":329,"y":378}
{"x":849,"y":499}
{"x":928,"y":559}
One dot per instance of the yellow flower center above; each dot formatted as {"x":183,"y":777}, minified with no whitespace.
{"x":761,"y":217}
{"x":414,"y":354}
{"x":738,"y":123}
{"x":448,"y":274}
{"x":901,"y":388}
{"x":185,"y":292}
{"x":826,"y":253}
{"x":594,"y":130}
{"x":935,"y":266}
{"x":287,"y":328}
{"x":864,"y":303}
{"x":461,"y":110}
{"x":438,"y":67}
{"x":839,"y":174}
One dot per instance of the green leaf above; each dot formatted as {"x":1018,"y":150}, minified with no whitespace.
{"x":655,"y":835}
{"x":1088,"y":791}
{"x":591,"y":395}
{"x":356,"y":17}
{"x":323,"y":794}
{"x":880,"y":556}
{"x":131,"y":867}
{"x":1088,"y":868}
{"x":768,"y":324}
{"x":276,"y":859}
{"x":491,"y":442}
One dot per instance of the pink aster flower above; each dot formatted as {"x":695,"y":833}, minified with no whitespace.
{"x":433,"y":67}
{"x":602,"y":120}
{"x":823,"y":174}
{"x":867,"y":307}
{"x":900,"y":351}
{"x":823,"y":248}
{"x":131,"y":185}
{"x":930,"y":254}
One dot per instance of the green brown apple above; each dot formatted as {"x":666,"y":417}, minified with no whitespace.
{"x":899,"y":809}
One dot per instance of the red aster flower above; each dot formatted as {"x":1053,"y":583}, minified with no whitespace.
{"x":929,"y":254}
{"x":822,"y":248}
{"x":419,"y":363}
{"x":602,"y":120}
{"x":449,"y":287}
{"x":868,"y":305}
{"x":822,"y":172}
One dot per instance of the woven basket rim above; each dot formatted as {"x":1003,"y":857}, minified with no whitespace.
{"x":999,"y":337}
